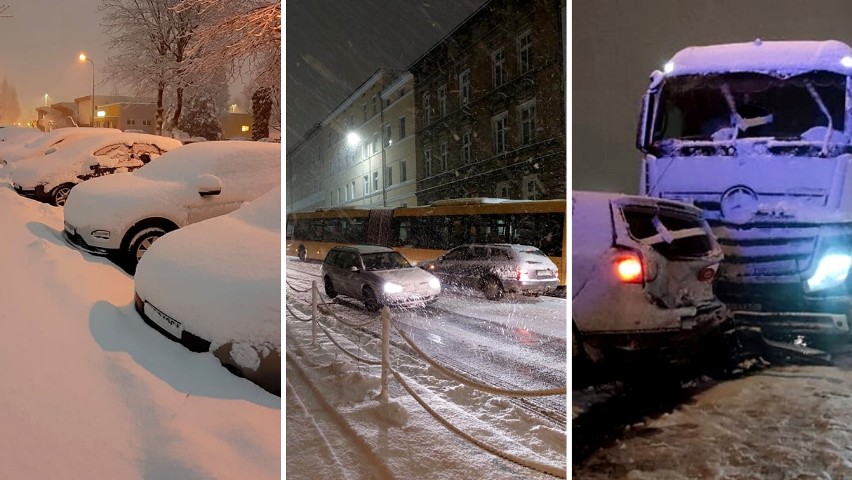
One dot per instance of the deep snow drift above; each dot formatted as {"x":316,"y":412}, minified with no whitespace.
{"x":91,"y":391}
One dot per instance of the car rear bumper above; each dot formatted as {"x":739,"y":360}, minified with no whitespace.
{"x":531,"y":286}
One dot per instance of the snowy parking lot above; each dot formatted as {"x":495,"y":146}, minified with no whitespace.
{"x":91,"y":391}
{"x":337,"y":427}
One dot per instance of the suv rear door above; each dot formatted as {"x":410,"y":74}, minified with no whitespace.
{"x":677,"y":247}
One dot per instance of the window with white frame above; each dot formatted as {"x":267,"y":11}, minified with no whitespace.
{"x":525,"y":54}
{"x":498,"y":61}
{"x":426,"y":109}
{"x":366,"y":185}
{"x":531,"y":187}
{"x":388,"y":176}
{"x":526,"y":113}
{"x":502,"y":190}
{"x":442,"y":101}
{"x":353,"y":189}
{"x":427,"y":157}
{"x":376,"y":142}
{"x":467,"y":148}
{"x":339,"y":196}
{"x":146,"y":123}
{"x":402,"y":127}
{"x":500,"y":125}
{"x":403,"y":172}
{"x":348,"y":193}
{"x":464,"y":87}
{"x":445,"y":156}
{"x":387,"y":135}
{"x":376,"y":181}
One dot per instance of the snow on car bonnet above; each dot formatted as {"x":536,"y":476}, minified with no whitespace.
{"x":777,"y":58}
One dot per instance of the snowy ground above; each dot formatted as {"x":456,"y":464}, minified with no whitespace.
{"x":90,"y":391}
{"x":338,"y":428}
{"x":790,"y":422}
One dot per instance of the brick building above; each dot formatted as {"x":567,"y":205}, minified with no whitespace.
{"x":490,"y":106}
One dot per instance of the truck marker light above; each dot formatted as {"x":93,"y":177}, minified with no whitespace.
{"x":846,"y":61}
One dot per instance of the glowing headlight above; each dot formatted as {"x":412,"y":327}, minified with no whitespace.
{"x":391,"y":287}
{"x":434,"y":283}
{"x":831,"y":271}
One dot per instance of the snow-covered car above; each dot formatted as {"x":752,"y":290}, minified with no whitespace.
{"x":22,"y":146}
{"x":125,"y":214}
{"x":216,"y":286}
{"x":50,"y":178}
{"x":642,"y":276}
{"x":496,"y":268}
{"x":377,"y":276}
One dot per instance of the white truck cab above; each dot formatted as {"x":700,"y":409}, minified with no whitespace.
{"x":759,"y":136}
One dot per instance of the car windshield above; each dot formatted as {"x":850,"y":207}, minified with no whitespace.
{"x":384,"y":261}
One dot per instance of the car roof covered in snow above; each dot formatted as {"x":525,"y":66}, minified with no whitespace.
{"x":366,"y":248}
{"x":777,"y":58}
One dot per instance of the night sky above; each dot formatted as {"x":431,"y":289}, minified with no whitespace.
{"x":617,"y":43}
{"x":333,"y":46}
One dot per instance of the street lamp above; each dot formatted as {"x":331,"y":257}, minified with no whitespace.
{"x":83,"y":58}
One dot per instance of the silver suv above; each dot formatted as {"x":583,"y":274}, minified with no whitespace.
{"x":497,"y":268}
{"x":642,"y":273}
{"x":376,"y":276}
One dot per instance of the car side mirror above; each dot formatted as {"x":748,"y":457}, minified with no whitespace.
{"x":355,"y":269}
{"x":208,"y":185}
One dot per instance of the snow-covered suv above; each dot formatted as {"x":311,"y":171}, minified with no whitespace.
{"x":642,"y":275}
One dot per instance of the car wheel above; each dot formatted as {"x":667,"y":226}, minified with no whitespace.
{"x":59,"y":195}
{"x":370,"y":300}
{"x":492,"y":288}
{"x":142,"y":241}
{"x":329,"y":288}
{"x":303,"y":254}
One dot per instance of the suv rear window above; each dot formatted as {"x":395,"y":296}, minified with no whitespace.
{"x":641,"y":224}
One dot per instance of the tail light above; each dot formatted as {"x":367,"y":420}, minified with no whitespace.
{"x":522,"y":275}
{"x":629,"y":269}
{"x":707,"y":273}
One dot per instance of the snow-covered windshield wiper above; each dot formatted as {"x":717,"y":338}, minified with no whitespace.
{"x":822,"y":107}
{"x":738,"y":122}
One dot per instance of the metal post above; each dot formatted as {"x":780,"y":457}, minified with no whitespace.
{"x":314,"y":295}
{"x":383,"y":395}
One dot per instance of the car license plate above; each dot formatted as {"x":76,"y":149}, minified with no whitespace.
{"x":164,"y":321}
{"x":543,"y":273}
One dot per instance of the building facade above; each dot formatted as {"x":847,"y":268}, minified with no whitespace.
{"x":490,"y":103}
{"x":355,"y":156}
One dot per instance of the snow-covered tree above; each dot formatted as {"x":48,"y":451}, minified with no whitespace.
{"x":261,"y":109}
{"x":10,"y":110}
{"x":201,"y":118}
{"x":150,"y":38}
{"x":241,"y":38}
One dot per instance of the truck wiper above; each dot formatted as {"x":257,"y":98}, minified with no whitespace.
{"x":818,"y":100}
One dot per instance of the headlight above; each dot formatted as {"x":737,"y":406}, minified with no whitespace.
{"x":391,"y":287}
{"x":102,"y":234}
{"x":831,"y":271}
{"x":434,"y":283}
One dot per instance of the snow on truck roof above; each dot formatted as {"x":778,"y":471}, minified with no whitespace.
{"x":778,"y":58}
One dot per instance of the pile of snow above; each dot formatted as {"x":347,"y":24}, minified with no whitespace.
{"x":91,"y":391}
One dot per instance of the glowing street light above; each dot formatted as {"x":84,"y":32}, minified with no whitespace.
{"x":352,"y":139}
{"x":83,"y":58}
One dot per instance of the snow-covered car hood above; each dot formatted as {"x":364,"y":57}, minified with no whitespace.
{"x":406,"y":277}
{"x":118,"y":201}
{"x":222,"y":277}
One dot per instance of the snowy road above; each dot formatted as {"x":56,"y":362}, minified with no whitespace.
{"x":518,"y":343}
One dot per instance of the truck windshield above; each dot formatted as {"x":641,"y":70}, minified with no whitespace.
{"x":742,"y":105}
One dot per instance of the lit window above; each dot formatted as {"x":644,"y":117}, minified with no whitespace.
{"x":101,"y":114}
{"x":245,"y":128}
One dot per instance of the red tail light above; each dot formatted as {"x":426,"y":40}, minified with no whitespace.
{"x":629,"y":269}
{"x":706,"y":274}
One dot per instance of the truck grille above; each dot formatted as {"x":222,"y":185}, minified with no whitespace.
{"x":769,"y":254}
